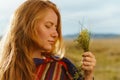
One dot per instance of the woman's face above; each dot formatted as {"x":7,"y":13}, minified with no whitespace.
{"x":47,"y":30}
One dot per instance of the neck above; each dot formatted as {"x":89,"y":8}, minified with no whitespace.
{"x":38,"y":54}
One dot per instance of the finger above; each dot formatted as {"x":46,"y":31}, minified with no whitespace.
{"x":87,"y":64}
{"x":88,"y":54}
{"x":90,"y":61}
{"x":88,"y":68}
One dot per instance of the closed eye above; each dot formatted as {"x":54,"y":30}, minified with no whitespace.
{"x":47,"y":26}
{"x":50,"y":24}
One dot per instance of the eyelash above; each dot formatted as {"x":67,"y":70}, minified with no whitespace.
{"x":47,"y":26}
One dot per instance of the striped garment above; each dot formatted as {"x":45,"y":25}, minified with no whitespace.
{"x":51,"y":69}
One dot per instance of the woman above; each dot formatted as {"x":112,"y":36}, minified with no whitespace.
{"x":33,"y":48}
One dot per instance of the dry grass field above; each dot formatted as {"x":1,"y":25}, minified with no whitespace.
{"x":107,"y":52}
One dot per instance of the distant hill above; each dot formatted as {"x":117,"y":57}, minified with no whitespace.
{"x":93,"y":35}
{"x":0,"y":37}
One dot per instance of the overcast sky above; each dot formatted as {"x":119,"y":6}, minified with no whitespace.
{"x":99,"y":16}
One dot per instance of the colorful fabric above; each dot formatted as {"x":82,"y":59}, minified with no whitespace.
{"x":51,"y":69}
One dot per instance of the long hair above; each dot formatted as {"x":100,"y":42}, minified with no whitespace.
{"x":16,"y":62}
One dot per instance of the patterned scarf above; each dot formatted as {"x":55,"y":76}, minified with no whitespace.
{"x":52,"y":69}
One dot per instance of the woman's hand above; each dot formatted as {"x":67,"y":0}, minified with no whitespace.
{"x":88,"y":64}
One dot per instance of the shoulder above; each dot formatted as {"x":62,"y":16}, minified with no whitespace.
{"x":68,"y":62}
{"x":72,"y":68}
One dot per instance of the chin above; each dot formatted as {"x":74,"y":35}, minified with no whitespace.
{"x":48,"y":49}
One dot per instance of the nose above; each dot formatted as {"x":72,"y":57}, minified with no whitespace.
{"x":55,"y":34}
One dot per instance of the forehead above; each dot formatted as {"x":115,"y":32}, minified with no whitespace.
{"x":51,"y":16}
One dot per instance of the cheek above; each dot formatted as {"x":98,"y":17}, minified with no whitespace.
{"x":41,"y":32}
{"x":43,"y":37}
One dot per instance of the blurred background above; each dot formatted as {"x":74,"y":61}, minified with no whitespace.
{"x":100,"y":17}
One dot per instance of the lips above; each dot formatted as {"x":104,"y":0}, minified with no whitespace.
{"x":51,"y":42}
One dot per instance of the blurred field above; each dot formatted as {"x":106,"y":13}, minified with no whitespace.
{"x":107,"y":52}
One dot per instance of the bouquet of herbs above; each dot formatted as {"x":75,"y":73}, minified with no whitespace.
{"x":83,"y":41}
